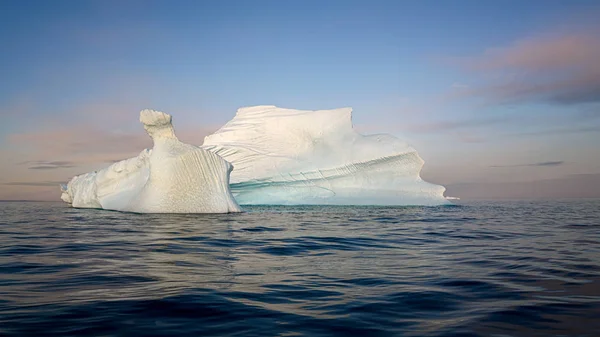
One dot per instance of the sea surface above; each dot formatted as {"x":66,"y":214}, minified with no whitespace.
{"x":519,"y":268}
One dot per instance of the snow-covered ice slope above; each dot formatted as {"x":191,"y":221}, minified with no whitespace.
{"x":172,"y":177}
{"x":285,"y":156}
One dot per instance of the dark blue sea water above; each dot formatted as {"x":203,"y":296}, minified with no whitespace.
{"x":477,"y":269}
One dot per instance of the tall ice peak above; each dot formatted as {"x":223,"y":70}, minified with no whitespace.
{"x":157,"y":123}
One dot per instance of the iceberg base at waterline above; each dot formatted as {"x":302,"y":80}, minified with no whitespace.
{"x":172,"y":177}
{"x":302,"y":157}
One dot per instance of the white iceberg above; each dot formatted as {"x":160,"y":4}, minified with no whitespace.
{"x":172,"y":177}
{"x":292,"y":157}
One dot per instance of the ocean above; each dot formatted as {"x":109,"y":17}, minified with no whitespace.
{"x":518,"y":268}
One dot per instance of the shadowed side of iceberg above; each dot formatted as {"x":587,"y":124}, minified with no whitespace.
{"x":172,"y":177}
{"x":289,"y":157}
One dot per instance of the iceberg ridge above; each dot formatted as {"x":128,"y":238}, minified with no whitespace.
{"x":287,"y":157}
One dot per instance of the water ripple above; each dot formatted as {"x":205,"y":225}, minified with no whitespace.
{"x":475,"y":269}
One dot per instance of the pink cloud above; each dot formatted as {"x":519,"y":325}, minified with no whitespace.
{"x":559,"y":68}
{"x":545,"y":53}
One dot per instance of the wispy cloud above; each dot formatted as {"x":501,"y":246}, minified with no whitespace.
{"x":48,"y":164}
{"x":540,"y":164}
{"x":541,"y":53}
{"x":553,"y":68}
{"x":549,"y":163}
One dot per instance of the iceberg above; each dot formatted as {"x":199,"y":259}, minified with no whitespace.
{"x":172,"y":177}
{"x":296,"y":157}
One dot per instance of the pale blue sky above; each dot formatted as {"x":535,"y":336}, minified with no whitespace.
{"x":471,"y":84}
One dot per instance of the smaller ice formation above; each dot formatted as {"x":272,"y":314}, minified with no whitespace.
{"x":291,"y":157}
{"x":172,"y":177}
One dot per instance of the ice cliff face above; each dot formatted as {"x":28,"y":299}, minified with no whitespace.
{"x":172,"y":177}
{"x":285,"y":157}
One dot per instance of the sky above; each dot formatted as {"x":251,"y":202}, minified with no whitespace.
{"x":500,"y":98}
